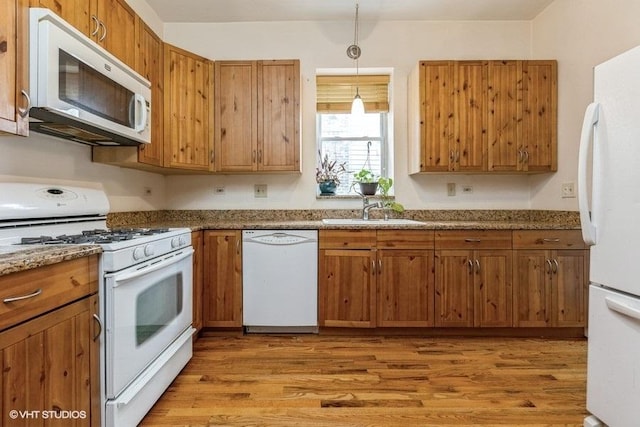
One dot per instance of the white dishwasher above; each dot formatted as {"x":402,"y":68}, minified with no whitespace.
{"x":280,"y":281}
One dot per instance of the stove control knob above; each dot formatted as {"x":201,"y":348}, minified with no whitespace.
{"x":148,"y":250}
{"x":182,"y":240}
{"x":175,"y":242}
{"x":138,"y":254}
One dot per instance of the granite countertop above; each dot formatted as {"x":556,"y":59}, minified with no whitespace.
{"x":15,"y":258}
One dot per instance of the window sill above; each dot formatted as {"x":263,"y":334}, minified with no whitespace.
{"x":320,"y":196}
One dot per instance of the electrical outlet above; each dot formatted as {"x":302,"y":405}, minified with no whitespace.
{"x":568,"y":190}
{"x":218,"y":190}
{"x":467,"y":189}
{"x":451,"y":189}
{"x":147,"y":191}
{"x":260,"y":190}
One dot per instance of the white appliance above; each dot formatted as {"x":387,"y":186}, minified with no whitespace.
{"x":145,"y":291}
{"x":280,"y":280}
{"x":610,"y":217}
{"x":81,"y":92}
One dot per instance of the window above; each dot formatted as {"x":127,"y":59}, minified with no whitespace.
{"x":358,"y":142}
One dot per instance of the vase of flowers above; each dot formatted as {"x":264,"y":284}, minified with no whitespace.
{"x":328,"y":174}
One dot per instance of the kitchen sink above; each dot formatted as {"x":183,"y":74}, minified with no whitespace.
{"x":359,"y":221}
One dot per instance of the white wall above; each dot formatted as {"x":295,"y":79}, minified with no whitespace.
{"x":580,"y":34}
{"x":395,"y":45}
{"x":46,"y":159}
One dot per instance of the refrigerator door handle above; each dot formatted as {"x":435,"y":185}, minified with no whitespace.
{"x":622,"y":308}
{"x":591,"y":116}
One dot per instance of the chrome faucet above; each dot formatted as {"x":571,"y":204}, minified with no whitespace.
{"x":366,"y":206}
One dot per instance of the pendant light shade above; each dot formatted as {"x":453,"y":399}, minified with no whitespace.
{"x":353,"y":52}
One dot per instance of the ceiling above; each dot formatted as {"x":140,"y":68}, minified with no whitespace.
{"x":339,"y":10}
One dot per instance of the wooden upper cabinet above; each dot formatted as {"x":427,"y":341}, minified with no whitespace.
{"x":113,"y":26}
{"x":188,"y":113}
{"x":235,"y":106}
{"x":257,"y":116}
{"x":75,"y":12}
{"x":149,"y":63}
{"x":483,"y":116}
{"x":522,"y":116}
{"x":14,"y":67}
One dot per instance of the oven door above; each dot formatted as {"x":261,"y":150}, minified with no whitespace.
{"x":148,"y":306}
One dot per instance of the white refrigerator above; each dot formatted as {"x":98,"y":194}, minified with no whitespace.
{"x":609,"y":199}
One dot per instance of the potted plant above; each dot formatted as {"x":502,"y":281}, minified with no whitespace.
{"x":385,"y":185}
{"x":367,"y":182}
{"x":328,"y":174}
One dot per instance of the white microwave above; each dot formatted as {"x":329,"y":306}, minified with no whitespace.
{"x":81,"y":92}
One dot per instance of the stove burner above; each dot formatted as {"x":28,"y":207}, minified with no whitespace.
{"x":97,"y":236}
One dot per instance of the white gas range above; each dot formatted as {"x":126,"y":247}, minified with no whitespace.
{"x":145,"y":290}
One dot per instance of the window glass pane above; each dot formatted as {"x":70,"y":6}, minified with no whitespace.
{"x":359,"y":144}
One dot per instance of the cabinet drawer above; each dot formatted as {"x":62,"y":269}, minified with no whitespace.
{"x":548,"y":239}
{"x":347,"y":239}
{"x":405,"y":239}
{"x":52,"y":286}
{"x":473,"y":239}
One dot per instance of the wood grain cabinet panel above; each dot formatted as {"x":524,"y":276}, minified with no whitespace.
{"x":257,"y":116}
{"x":188,"y":112}
{"x":116,"y":28}
{"x":198,"y":279}
{"x":14,"y":67}
{"x":222,"y":295}
{"x":551,"y":278}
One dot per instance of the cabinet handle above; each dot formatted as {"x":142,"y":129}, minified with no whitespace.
{"x":21,"y":297}
{"x":104,"y":34}
{"x":95,"y":19}
{"x":259,"y":156}
{"x":526,"y":156}
{"x":379,"y":266}
{"x":457,"y":156}
{"x":238,"y":246}
{"x":373,"y":267}
{"x":253,"y":156}
{"x":469,"y":240}
{"x":477,"y":266}
{"x":470,"y":265}
{"x":99,"y":322}
{"x":23,"y":112}
{"x":556,"y":266}
{"x":551,"y":240}
{"x":520,"y":156}
{"x":212,"y":157}
{"x":451,"y":156}
{"x":550,"y":267}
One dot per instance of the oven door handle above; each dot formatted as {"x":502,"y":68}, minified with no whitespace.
{"x":119,"y":277}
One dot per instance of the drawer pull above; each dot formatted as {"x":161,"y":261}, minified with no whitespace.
{"x":99,"y":323}
{"x":20,"y":298}
{"x":472,"y":240}
{"x":556,"y":240}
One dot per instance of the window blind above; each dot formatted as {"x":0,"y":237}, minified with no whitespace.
{"x":335,"y":93}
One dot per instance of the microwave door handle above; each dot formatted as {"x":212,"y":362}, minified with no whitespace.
{"x":139,"y":100}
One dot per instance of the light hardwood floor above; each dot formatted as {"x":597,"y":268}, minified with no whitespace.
{"x":310,"y":380}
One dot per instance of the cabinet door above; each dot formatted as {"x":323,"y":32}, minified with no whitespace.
{"x":493,"y":288}
{"x":405,"y":288}
{"x":531,"y":288}
{"x":504,"y":116}
{"x":539,"y":116}
{"x":278,"y":115}
{"x":75,"y":12}
{"x":569,"y":288}
{"x":198,"y":278}
{"x":188,"y":116}
{"x":469,"y":116}
{"x":222,"y":279}
{"x":454,"y":288}
{"x":51,"y":363}
{"x":14,"y":66}
{"x":347,"y":293}
{"x":149,"y":63}
{"x":235,"y":108}
{"x":436,"y":98}
{"x":117,"y":32}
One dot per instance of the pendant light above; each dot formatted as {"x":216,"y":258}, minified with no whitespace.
{"x":353,"y":52}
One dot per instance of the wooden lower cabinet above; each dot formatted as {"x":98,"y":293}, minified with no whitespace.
{"x":551,"y":288}
{"x":198,"y":279}
{"x":51,"y":363}
{"x":473,"y":288}
{"x":222,"y":294}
